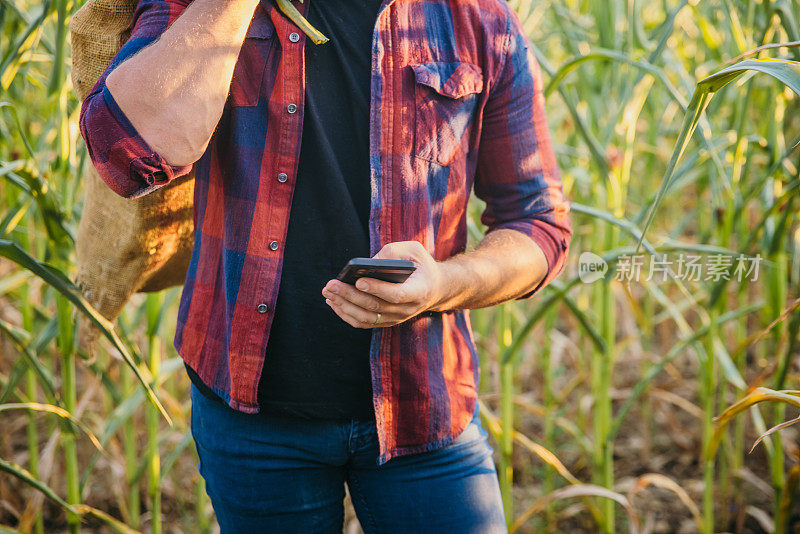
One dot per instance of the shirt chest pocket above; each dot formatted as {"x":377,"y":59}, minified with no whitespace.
{"x":445,"y":97}
{"x":248,"y":73}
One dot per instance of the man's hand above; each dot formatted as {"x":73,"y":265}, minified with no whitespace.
{"x":506,"y":264}
{"x":374,"y":303}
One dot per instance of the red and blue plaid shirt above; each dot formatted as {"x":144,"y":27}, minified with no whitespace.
{"x":456,"y":101}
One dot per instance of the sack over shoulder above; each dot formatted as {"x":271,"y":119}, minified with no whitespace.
{"x":124,"y":246}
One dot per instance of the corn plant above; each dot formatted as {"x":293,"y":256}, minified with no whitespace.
{"x":675,"y":125}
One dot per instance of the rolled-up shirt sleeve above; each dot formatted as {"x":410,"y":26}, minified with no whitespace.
{"x":517,"y":174}
{"x":123,"y":159}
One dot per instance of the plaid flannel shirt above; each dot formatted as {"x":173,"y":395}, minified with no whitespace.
{"x":456,"y":102}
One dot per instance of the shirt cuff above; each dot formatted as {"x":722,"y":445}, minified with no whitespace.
{"x":123,"y":159}
{"x":146,"y":162}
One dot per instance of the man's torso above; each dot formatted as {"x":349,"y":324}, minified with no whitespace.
{"x":433,"y":66}
{"x":316,"y":364}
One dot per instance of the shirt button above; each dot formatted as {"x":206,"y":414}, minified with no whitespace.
{"x":262,"y":308}
{"x":273,"y":245}
{"x":282,"y":177}
{"x":291,"y":108}
{"x":294,"y":37}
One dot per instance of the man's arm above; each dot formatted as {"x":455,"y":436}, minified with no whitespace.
{"x":505,"y":265}
{"x":529,"y":231}
{"x":152,"y":112}
{"x":174,"y":90}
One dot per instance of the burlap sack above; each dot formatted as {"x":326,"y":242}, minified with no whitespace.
{"x":124,"y":246}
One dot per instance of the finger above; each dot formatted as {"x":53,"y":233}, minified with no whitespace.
{"x":387,"y":291}
{"x":398,"y":312}
{"x":408,"y":292}
{"x":400,"y":250}
{"x":359,"y":314}
{"x":335,"y":290}
{"x":356,"y":321}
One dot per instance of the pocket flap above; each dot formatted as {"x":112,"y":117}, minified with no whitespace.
{"x":454,"y":79}
{"x":261,"y":26}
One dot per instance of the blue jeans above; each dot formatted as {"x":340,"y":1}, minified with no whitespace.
{"x":276,"y":474}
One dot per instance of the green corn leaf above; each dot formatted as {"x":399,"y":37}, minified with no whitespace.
{"x":79,"y":509}
{"x":18,"y":338}
{"x":785,"y":71}
{"x":64,"y":285}
{"x":55,"y":410}
{"x":25,"y":476}
{"x":11,"y":61}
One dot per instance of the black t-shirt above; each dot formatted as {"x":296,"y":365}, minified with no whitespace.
{"x":317,"y":365}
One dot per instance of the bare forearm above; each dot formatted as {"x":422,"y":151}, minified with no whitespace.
{"x":173,"y":91}
{"x":506,"y":264}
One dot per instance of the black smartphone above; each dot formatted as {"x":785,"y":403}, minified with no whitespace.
{"x":387,"y":270}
